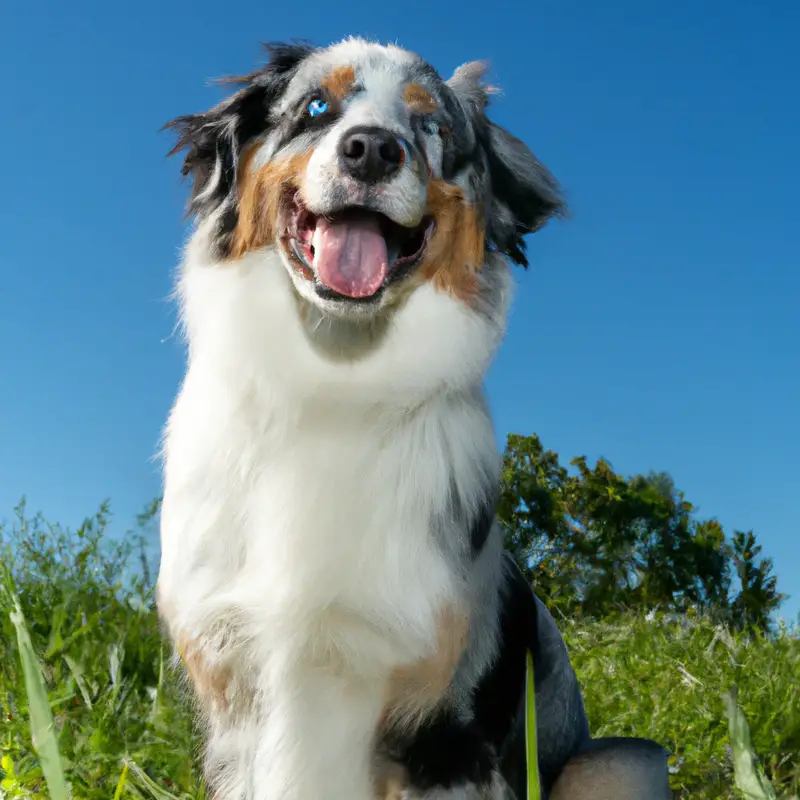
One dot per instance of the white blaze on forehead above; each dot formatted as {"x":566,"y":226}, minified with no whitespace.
{"x":379,"y":75}
{"x":366,"y":59}
{"x":380,"y":106}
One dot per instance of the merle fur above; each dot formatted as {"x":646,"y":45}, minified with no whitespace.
{"x":223,"y":131}
{"x":521,"y":194}
{"x":521,"y":184}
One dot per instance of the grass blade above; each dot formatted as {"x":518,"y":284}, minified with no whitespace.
{"x":123,"y":779}
{"x":156,"y":792}
{"x":748,"y":774}
{"x":43,"y":730}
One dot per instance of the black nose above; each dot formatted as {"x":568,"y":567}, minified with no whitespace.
{"x":370,"y":155}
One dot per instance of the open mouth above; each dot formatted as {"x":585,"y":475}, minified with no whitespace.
{"x":353,"y":253}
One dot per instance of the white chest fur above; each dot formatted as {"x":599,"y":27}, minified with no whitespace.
{"x":302,"y":493}
{"x":333,"y":511}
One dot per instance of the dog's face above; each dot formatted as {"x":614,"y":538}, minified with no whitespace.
{"x":369,"y":173}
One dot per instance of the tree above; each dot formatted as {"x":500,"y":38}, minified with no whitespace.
{"x":592,"y":541}
{"x":758,"y":596}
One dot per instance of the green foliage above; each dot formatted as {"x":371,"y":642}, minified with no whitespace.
{"x":759,"y":594}
{"x":663,"y":616}
{"x":121,"y":724}
{"x":748,"y":774}
{"x":593,"y":542}
{"x":664,"y":677}
{"x":43,"y":729}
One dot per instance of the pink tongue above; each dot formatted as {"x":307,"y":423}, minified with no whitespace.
{"x":350,"y":256}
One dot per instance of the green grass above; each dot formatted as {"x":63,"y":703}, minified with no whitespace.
{"x":667,"y":679}
{"x":89,"y":705}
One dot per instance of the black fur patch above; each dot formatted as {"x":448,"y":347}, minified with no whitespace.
{"x":214,"y":139}
{"x":481,"y":525}
{"x":446,"y":751}
{"x":498,"y":695}
{"x":443,"y":753}
{"x":478,"y":521}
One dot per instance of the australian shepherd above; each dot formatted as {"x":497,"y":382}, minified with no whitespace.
{"x":332,"y":574}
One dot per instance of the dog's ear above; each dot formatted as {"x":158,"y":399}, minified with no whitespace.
{"x":469,"y":87}
{"x":214,"y":139}
{"x":522,"y":194}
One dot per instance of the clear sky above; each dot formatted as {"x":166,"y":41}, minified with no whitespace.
{"x":659,"y":327}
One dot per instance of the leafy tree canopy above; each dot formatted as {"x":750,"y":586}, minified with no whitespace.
{"x":593,"y":541}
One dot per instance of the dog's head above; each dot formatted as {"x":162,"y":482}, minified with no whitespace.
{"x":369,"y":173}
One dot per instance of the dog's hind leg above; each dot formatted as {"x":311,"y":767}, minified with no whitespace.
{"x":615,"y":769}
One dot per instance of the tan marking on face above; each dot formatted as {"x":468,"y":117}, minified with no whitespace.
{"x":416,"y":690}
{"x":260,"y":196}
{"x":457,"y":248}
{"x":210,"y":685}
{"x":419,"y":99}
{"x":339,"y":82}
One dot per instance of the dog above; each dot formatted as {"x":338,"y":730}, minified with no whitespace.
{"x":332,"y":574}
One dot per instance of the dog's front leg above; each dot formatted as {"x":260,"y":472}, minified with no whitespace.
{"x":204,"y":628}
{"x":317,"y":734}
{"x":210,"y":636}
{"x":200,"y":589}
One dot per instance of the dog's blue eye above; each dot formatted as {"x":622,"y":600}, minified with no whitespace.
{"x":430,"y":127}
{"x":316,"y":107}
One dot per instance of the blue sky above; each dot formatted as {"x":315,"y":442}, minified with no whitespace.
{"x":658,"y":327}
